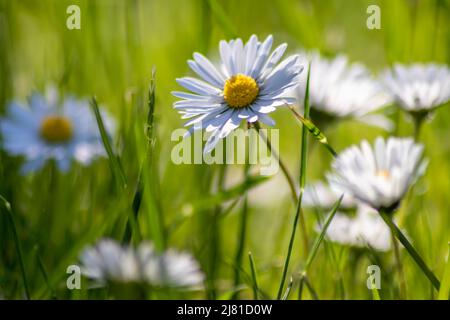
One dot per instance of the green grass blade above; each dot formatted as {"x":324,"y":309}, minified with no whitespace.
{"x":12,"y":222}
{"x":41,"y":266}
{"x":311,"y":289}
{"x":255,"y":286}
{"x":444,"y":291}
{"x":411,"y":250}
{"x":375,"y":293}
{"x":314,"y":130}
{"x":148,"y":161}
{"x":288,"y":289}
{"x":319,"y":239}
{"x":298,"y":213}
{"x":116,"y":167}
{"x":304,"y":150}
{"x":303,"y":161}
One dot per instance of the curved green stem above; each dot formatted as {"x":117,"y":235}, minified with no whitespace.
{"x":412,"y":252}
{"x":283,"y":166}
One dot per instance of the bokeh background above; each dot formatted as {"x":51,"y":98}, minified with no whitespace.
{"x":112,"y":57}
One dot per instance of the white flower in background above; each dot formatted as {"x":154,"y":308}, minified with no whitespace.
{"x":418,"y":87}
{"x":248,"y":84}
{"x":338,"y":89}
{"x":171,"y":268}
{"x":322,"y":196}
{"x":381,"y":176}
{"x":366,"y":228}
{"x":109,"y":261}
{"x":45,"y":130}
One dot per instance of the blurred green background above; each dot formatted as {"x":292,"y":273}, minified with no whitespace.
{"x":112,"y":57}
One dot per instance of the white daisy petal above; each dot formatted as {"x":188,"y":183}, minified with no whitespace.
{"x":227,"y":58}
{"x":206,"y":71}
{"x":198,"y":86}
{"x":263,"y":53}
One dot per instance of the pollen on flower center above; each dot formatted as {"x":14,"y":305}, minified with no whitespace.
{"x":240,"y":91}
{"x":383,"y":174}
{"x":56,"y":129}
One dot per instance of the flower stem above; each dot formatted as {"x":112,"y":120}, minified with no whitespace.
{"x":283,"y":166}
{"x":398,"y":262}
{"x":412,"y":252}
{"x":418,"y":118}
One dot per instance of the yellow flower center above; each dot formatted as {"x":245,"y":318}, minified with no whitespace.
{"x":240,"y":91}
{"x":56,"y":129}
{"x":383,"y":174}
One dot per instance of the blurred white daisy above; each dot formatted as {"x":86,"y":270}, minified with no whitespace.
{"x":340,"y":90}
{"x":248,"y":84}
{"x":323,"y":196}
{"x":366,"y":228}
{"x":379,"y":177}
{"x":45,"y":130}
{"x":418,"y":87}
{"x":109,"y":261}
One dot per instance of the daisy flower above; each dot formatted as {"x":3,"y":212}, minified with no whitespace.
{"x":381,"y":176}
{"x":340,"y":90}
{"x":45,"y":130}
{"x":366,"y":228}
{"x":418,"y":88}
{"x":248,"y":84}
{"x":108,"y":261}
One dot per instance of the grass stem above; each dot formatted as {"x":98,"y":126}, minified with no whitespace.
{"x":302,"y":178}
{"x":12,"y":222}
{"x":399,"y":266}
{"x":412,"y":252}
{"x":255,"y":286}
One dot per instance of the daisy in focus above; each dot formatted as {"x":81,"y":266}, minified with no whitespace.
{"x":45,"y":130}
{"x":418,"y":88}
{"x":379,"y":176}
{"x":340,"y":90}
{"x":248,"y":84}
{"x":108,"y":261}
{"x":366,"y":228}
